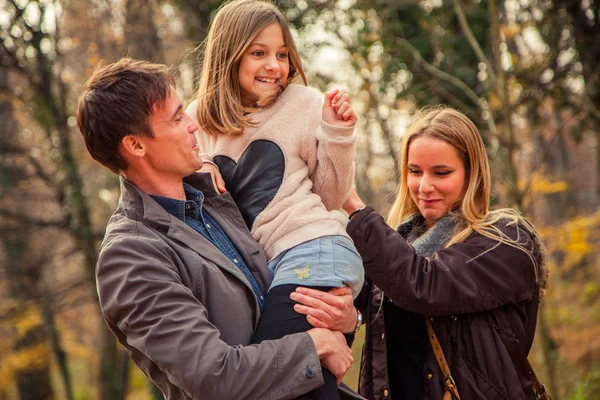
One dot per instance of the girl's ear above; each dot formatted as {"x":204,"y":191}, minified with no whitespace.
{"x":132,"y":146}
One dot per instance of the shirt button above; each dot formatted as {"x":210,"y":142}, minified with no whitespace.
{"x":382,"y":336}
{"x":235,"y":260}
{"x":385,"y":393}
{"x":208,"y":226}
{"x":188,"y":206}
{"x":429,"y":375}
{"x":310,"y":373}
{"x":262,"y":298}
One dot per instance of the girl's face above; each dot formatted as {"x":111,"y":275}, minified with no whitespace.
{"x":264,"y":66}
{"x":436,"y":177}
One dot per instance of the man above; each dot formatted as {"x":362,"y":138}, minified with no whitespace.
{"x":180,"y":278}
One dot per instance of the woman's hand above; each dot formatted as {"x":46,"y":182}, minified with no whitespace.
{"x":332,"y":310}
{"x":353,"y":202}
{"x":216,"y":176}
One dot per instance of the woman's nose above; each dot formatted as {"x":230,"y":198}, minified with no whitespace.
{"x":426,"y":185}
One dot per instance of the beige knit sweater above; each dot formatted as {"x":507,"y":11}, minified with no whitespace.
{"x":318,"y":169}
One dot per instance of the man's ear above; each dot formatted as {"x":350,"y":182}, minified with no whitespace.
{"x":133,"y":146}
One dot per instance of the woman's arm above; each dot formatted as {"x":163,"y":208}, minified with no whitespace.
{"x":475,"y":275}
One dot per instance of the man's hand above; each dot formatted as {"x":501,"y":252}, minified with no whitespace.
{"x":332,"y":310}
{"x":216,"y":176}
{"x":337,"y":110}
{"x":332,"y":350}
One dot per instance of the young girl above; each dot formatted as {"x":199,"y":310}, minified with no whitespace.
{"x":285,"y":157}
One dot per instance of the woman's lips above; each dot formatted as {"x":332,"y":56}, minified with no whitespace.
{"x":430,"y":202}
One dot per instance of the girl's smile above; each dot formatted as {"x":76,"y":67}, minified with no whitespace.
{"x":264,"y":65}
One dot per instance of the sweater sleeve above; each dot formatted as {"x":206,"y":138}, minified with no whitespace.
{"x":478,"y":274}
{"x":141,"y":293}
{"x":204,"y":140}
{"x":329,"y":152}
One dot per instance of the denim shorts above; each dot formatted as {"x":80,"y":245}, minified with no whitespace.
{"x":325,"y":261}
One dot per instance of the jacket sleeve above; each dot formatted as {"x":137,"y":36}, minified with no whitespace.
{"x":141,"y":293}
{"x":478,"y":274}
{"x":329,"y":152}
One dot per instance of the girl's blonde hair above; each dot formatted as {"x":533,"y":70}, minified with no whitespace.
{"x":232,"y":30}
{"x":454,"y":128}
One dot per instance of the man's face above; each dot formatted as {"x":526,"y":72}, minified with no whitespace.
{"x":173,"y":152}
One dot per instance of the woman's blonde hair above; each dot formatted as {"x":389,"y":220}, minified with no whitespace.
{"x":454,"y":128}
{"x":232,"y":30}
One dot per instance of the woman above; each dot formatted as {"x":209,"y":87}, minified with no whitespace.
{"x":477,"y":275}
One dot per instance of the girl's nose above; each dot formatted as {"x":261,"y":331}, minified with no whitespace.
{"x":272,"y":64}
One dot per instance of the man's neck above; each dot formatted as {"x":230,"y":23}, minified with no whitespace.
{"x":158,"y":186}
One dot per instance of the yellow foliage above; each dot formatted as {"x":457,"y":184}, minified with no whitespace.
{"x":543,"y":186}
{"x":572,"y":237}
{"x":590,"y":292}
{"x":494,"y":101}
{"x":30,"y":318}
{"x":510,"y":30}
{"x":33,"y":357}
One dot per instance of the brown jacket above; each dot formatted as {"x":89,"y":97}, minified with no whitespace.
{"x":483,"y":299}
{"x":184,"y":311}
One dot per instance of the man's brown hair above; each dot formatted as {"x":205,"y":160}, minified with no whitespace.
{"x":117,"y":101}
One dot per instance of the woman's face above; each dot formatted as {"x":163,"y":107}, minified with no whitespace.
{"x":436,"y":177}
{"x":265,"y":66}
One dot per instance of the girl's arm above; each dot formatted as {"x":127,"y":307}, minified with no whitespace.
{"x":330,"y":147}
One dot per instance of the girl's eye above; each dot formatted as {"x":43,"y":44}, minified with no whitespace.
{"x":282,"y":56}
{"x":413,"y":171}
{"x":258,"y":53}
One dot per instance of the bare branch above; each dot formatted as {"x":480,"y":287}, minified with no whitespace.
{"x":464,"y":25}
{"x":442,"y":75}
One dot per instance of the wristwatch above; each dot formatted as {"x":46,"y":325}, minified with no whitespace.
{"x":359,"y":321}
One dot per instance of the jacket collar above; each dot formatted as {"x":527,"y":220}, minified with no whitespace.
{"x":153,"y":213}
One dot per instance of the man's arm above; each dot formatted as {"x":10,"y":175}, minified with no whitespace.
{"x":141,"y":293}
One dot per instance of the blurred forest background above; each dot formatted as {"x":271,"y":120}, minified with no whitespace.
{"x":526,"y":71}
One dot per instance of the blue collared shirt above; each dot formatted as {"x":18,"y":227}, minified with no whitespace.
{"x":192,"y":213}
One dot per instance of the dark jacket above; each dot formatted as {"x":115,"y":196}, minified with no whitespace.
{"x":185,"y":313}
{"x":483,"y":298}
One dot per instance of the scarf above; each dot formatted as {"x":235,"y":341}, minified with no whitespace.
{"x":428,"y":242}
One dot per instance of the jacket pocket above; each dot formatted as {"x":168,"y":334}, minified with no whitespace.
{"x":481,"y":386}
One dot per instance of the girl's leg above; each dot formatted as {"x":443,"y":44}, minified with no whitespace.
{"x":279,"y":319}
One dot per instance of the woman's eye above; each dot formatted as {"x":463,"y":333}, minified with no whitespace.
{"x":413,"y":171}
{"x":443,"y":173}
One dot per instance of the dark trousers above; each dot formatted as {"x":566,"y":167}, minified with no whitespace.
{"x":278,"y":319}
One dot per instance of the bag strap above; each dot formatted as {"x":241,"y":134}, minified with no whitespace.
{"x":538,"y":388}
{"x":441,"y":360}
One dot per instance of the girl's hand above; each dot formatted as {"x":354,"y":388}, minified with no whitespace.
{"x":332,"y":310}
{"x":216,"y":176}
{"x":337,"y":110}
